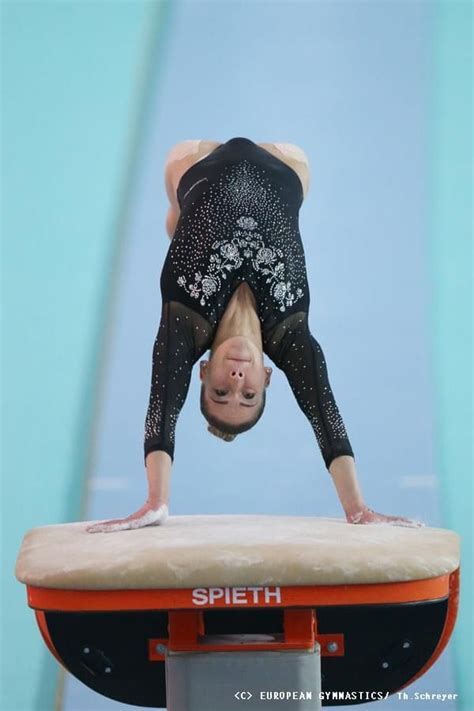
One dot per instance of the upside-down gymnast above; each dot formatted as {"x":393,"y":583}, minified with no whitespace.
{"x":234,"y":282}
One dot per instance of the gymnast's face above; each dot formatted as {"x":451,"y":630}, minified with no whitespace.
{"x":234,"y":379}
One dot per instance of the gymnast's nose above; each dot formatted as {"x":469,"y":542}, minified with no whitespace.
{"x":236,"y":374}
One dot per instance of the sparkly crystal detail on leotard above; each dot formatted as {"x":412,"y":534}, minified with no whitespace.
{"x":241,"y":226}
{"x":238,"y":223}
{"x":227,"y":255}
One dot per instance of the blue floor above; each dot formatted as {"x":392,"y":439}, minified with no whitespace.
{"x":331,"y":77}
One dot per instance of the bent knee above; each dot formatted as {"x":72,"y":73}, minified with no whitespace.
{"x":293,"y":151}
{"x":183,"y":149}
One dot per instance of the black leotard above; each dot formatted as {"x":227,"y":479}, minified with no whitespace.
{"x":238,"y":222}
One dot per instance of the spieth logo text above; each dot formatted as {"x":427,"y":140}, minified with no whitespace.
{"x":255,"y":595}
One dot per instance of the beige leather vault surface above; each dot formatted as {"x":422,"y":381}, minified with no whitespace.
{"x":233,"y":550}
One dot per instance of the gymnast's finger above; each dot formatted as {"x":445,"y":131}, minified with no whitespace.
{"x":119,"y":524}
{"x":407,"y":522}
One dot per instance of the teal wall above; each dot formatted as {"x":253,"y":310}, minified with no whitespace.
{"x":451,"y":306}
{"x":74,"y":77}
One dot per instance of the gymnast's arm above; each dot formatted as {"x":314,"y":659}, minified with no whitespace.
{"x":294,"y":350}
{"x":181,"y":339}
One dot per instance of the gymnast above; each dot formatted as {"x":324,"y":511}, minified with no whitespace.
{"x":234,"y":282}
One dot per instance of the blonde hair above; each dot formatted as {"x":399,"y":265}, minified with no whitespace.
{"x":226,"y":436}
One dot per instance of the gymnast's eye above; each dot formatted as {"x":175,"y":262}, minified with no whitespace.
{"x":249,"y":396}
{"x":221,"y":393}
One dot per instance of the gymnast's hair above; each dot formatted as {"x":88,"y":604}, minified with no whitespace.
{"x":225,"y":430}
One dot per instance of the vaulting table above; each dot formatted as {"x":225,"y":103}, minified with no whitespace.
{"x":210,"y":613}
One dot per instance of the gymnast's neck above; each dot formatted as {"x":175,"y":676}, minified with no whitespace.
{"x":240,"y":319}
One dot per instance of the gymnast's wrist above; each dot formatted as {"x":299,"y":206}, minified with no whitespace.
{"x":354,"y":509}
{"x":155,"y":502}
{"x":352,"y":503}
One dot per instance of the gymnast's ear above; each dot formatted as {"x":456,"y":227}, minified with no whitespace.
{"x":202,"y":368}
{"x":268,"y":375}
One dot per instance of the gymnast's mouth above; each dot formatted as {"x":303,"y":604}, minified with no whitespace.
{"x":243,"y":360}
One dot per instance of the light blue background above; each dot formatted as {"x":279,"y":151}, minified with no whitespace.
{"x":352,"y":83}
{"x":333,"y":79}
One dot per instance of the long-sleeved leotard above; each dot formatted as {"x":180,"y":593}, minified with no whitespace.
{"x":238,"y":222}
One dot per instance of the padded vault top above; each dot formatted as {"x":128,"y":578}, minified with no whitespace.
{"x":233,"y":550}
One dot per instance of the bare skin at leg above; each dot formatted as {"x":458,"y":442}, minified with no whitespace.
{"x":186,"y":153}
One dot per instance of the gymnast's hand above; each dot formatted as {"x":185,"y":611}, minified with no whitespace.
{"x":366,"y":515}
{"x":145,"y":516}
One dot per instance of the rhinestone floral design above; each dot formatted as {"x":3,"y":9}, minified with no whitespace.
{"x":228,"y":255}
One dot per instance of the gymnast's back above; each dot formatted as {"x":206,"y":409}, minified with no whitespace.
{"x":238,"y":223}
